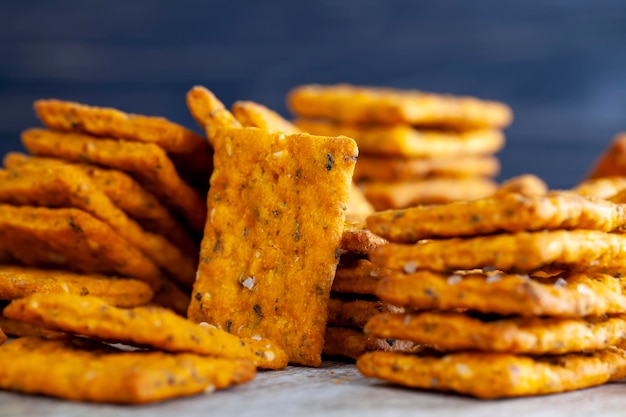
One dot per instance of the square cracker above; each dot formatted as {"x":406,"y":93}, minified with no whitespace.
{"x":273,"y":237}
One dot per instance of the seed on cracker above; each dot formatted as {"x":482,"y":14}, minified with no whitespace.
{"x":528,"y":185}
{"x":112,"y":376}
{"x":251,"y":114}
{"x":358,"y":277}
{"x":146,"y":162}
{"x":496,"y":375}
{"x":451,"y":331}
{"x":567,"y":295}
{"x":18,"y":282}
{"x":507,"y":213}
{"x":355,"y":313}
{"x":349,"y":343}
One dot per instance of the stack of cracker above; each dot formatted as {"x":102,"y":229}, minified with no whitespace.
{"x":415,"y":148}
{"x":516,"y":295}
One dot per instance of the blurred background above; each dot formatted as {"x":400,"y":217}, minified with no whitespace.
{"x":560,"y":64}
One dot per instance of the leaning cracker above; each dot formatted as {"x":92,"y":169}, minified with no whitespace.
{"x":612,"y":163}
{"x":350,"y":343}
{"x":573,"y":295}
{"x":507,"y":213}
{"x":206,"y":109}
{"x":20,"y":329}
{"x":146,"y":162}
{"x":356,"y":238}
{"x":358,"y":277}
{"x":397,"y":195}
{"x":391,"y":169}
{"x":66,"y":186}
{"x":106,"y":375}
{"x":527,"y":184}
{"x":142,"y":326}
{"x":355,"y":104}
{"x":605,"y":187}
{"x":496,"y":375}
{"x":355,"y":313}
{"x":272,"y":242}
{"x":251,"y":114}
{"x":405,"y":141}
{"x":518,"y":335}
{"x":575,"y":250}
{"x":19,"y":282}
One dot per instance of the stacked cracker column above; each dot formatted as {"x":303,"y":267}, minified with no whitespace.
{"x":516,"y":295}
{"x":415,"y":148}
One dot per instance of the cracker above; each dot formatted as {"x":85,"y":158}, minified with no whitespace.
{"x":392,"y":169}
{"x":16,"y":328}
{"x":358,"y":206}
{"x":354,"y":104}
{"x":144,"y":161}
{"x":18,"y":282}
{"x":127,"y":194}
{"x":496,"y":375}
{"x":103,"y":375}
{"x":405,"y":141}
{"x":528,"y":185}
{"x":272,"y":243}
{"x":507,"y":213}
{"x":356,"y":238}
{"x":66,"y":186}
{"x":206,"y":108}
{"x":396,"y":195}
{"x":349,"y":343}
{"x":612,"y":162}
{"x":576,"y":250}
{"x":139,"y":326}
{"x":355,"y":313}
{"x":251,"y":114}
{"x":519,"y":335}
{"x":569,"y":295}
{"x":605,"y":187}
{"x":358,"y":277}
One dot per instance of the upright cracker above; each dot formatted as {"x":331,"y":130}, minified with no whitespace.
{"x":496,"y":375}
{"x":451,"y":331}
{"x":106,"y":375}
{"x":604,"y":187}
{"x":612,"y":162}
{"x":251,"y":114}
{"x":358,"y":276}
{"x":506,"y":213}
{"x":144,"y":161}
{"x":569,"y":295}
{"x":354,"y":104}
{"x":140,"y":326}
{"x":350,"y":343}
{"x":206,"y":108}
{"x":391,"y":169}
{"x":405,"y":141}
{"x":66,"y":186}
{"x":527,"y":184}
{"x":397,"y":195}
{"x":272,"y":243}
{"x":19,"y":282}
{"x":20,"y":329}
{"x":576,"y":250}
{"x":355,"y":313}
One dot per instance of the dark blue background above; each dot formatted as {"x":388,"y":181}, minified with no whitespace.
{"x":561,"y":64}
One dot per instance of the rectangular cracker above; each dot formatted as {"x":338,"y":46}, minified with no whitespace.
{"x":349,"y":343}
{"x":66,"y":186}
{"x":391,"y":169}
{"x":16,"y":328}
{"x":104,"y":375}
{"x":358,"y":276}
{"x":272,"y":242}
{"x":251,"y":114}
{"x":496,"y":375}
{"x":569,"y":295}
{"x":405,"y":141}
{"x":450,"y":331}
{"x":356,"y":313}
{"x":18,"y":282}
{"x":140,"y":326}
{"x":146,"y":162}
{"x":397,"y":195}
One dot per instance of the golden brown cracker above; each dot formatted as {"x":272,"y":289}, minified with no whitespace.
{"x":357,"y":104}
{"x":575,"y":250}
{"x":355,"y":313}
{"x":349,"y":343}
{"x":405,"y":141}
{"x":140,"y":326}
{"x":391,"y":169}
{"x":507,"y":213}
{"x":3,"y":337}
{"x":356,"y":238}
{"x":206,"y":108}
{"x":358,"y":276}
{"x":272,"y":242}
{"x":109,"y":376}
{"x":397,"y":195}
{"x":612,"y":162}
{"x":16,"y":328}
{"x":527,"y":184}
{"x":568,"y":295}
{"x":604,"y":187}
{"x":496,"y":375}
{"x":18,"y":282}
{"x":145,"y":162}
{"x":251,"y":114}
{"x":358,"y":206}
{"x":451,"y":331}
{"x":66,"y":186}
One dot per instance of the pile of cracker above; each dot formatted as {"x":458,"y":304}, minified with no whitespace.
{"x":415,"y":148}
{"x":514,"y":295}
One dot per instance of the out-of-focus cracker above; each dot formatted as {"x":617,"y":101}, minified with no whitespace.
{"x":355,"y":313}
{"x":16,"y":328}
{"x":612,"y":162}
{"x":350,"y":343}
{"x":358,"y":277}
{"x":251,"y":114}
{"x":528,"y":185}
